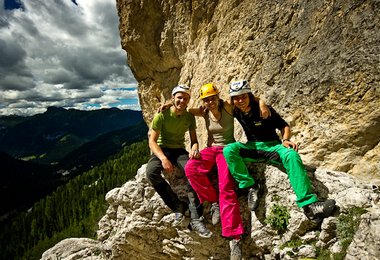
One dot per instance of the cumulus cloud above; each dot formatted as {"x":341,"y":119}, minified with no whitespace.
{"x":63,"y":53}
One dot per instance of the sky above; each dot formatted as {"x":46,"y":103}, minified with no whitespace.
{"x":63,"y":53}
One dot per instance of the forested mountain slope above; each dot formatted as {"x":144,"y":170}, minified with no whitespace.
{"x":25,"y":182}
{"x":72,"y":210}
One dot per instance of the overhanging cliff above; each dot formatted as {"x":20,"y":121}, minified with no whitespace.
{"x":316,"y":62}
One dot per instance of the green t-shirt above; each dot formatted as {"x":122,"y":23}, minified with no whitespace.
{"x":172,"y":128}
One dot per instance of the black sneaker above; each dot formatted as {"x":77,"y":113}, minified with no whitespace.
{"x":319,"y":210}
{"x":253,"y":198}
{"x":196,"y":224}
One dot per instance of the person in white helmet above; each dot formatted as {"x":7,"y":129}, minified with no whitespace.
{"x":265,"y":144}
{"x":167,"y":143}
{"x":225,"y":207}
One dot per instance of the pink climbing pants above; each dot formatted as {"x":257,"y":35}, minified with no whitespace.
{"x":196,"y":171}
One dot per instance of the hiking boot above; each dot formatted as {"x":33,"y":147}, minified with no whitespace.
{"x":215,"y":213}
{"x":319,"y":210}
{"x":235,"y":249}
{"x":253,"y":198}
{"x":178,"y":220}
{"x":196,"y":224}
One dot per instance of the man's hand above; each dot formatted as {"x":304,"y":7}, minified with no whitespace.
{"x":168,"y":166}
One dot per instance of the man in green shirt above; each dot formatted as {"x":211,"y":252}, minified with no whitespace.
{"x":167,"y":142}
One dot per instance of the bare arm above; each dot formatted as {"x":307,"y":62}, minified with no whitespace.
{"x":165,"y":106}
{"x":286,"y":134}
{"x":156,"y":149}
{"x":264,"y":109}
{"x":194,"y":152}
{"x":229,"y":107}
{"x":197,"y":111}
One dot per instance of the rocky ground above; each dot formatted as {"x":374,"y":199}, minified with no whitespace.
{"x":137,"y":224}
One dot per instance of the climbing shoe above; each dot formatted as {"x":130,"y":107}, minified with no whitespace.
{"x":253,"y":197}
{"x":319,"y":210}
{"x":235,"y":249}
{"x":178,"y":220}
{"x":196,"y":224}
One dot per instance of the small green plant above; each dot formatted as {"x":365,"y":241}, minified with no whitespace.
{"x":97,"y":252}
{"x":323,"y":253}
{"x":292,"y":243}
{"x":276,"y":198}
{"x":278,"y":218}
{"x":347,"y":226}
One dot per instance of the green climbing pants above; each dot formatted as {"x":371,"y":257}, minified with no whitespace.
{"x":237,"y":154}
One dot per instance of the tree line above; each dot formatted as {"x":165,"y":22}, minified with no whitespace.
{"x":72,"y":210}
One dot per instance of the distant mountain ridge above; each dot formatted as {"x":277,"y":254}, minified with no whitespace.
{"x":103,"y":146}
{"x":50,"y":136}
{"x":24,"y":182}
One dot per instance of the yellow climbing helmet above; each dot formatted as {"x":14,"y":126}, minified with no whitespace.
{"x":208,"y":90}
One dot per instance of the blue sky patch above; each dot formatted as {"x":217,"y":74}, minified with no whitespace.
{"x":12,"y":4}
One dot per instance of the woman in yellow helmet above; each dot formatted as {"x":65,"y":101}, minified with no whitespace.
{"x":218,"y":115}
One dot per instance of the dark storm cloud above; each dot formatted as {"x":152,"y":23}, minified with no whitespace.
{"x":93,"y":65}
{"x":14,"y":74}
{"x":12,"y":54}
{"x":64,"y":53}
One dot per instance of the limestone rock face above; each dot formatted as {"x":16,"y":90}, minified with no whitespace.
{"x":369,"y":229}
{"x":74,"y":248}
{"x":138,"y":225}
{"x":316,"y":62}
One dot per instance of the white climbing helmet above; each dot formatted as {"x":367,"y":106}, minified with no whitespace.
{"x":181,"y":88}
{"x":239,"y":87}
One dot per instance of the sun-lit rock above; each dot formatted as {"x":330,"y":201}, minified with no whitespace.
{"x":315,"y":62}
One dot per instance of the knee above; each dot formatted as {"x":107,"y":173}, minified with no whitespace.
{"x":293,"y":156}
{"x":152,"y":171}
{"x":228,"y":150}
{"x":150,"y":175}
{"x":190,"y":168}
